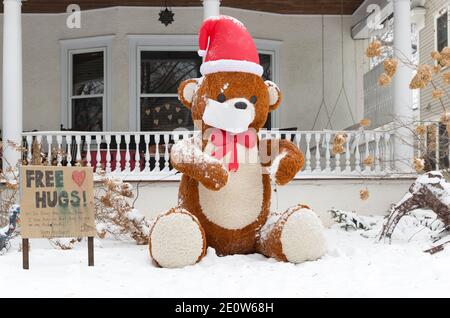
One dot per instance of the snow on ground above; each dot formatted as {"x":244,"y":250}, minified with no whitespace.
{"x":355,"y":266}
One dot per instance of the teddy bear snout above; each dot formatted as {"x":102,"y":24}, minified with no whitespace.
{"x":240,"y":105}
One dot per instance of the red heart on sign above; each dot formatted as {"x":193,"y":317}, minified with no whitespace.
{"x":78,"y":177}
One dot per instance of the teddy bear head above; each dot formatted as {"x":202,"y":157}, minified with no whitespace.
{"x":231,"y":101}
{"x":231,"y":95}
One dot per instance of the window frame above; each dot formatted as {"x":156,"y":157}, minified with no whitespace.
{"x":140,"y":95}
{"x":79,"y":46}
{"x":139,"y":43}
{"x":440,"y":13}
{"x":72,"y":97}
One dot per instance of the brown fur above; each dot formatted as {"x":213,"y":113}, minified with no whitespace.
{"x":271,"y":246}
{"x":291,"y":163}
{"x":226,"y":242}
{"x":214,"y":177}
{"x":239,"y":85}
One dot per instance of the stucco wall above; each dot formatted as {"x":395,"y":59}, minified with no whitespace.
{"x":300,"y":61}
{"x":321,"y":195}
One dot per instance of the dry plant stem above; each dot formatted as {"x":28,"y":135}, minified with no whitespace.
{"x":421,"y":197}
{"x":113,"y":210}
{"x":437,"y":248}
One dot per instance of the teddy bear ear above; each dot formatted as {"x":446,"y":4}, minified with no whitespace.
{"x":186,"y":92}
{"x":274,"y":95}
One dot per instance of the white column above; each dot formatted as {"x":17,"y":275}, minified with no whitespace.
{"x":12,"y":79}
{"x":403,"y":113}
{"x":211,"y":8}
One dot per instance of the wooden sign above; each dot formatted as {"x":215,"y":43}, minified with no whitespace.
{"x":57,"y":202}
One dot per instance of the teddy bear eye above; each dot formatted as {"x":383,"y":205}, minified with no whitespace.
{"x":221,"y":98}
{"x":253,"y":99}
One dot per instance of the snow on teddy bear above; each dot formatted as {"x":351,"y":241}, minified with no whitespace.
{"x":224,"y":195}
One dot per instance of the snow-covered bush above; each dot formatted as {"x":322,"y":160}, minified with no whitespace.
{"x":115,"y":214}
{"x":350,"y":220}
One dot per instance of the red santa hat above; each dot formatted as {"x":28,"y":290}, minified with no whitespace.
{"x":227,"y":47}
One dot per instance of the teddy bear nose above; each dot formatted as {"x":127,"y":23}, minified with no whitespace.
{"x":240,"y":105}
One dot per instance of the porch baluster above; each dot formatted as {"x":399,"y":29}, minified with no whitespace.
{"x":176,"y":137}
{"x":127,"y":153}
{"x":357,"y":154}
{"x":49,"y":149}
{"x":98,"y":158}
{"x":327,"y":153}
{"x":157,"y":157}
{"x":368,"y":167}
{"x":58,"y":150}
{"x":137,"y":155}
{"x":318,"y":167}
{"x":337,"y":160}
{"x":262,"y":134}
{"x":69,"y":150}
{"x":147,"y":152}
{"x":108,"y":153}
{"x":78,"y":152}
{"x":348,"y":167}
{"x":118,"y":154}
{"x":308,"y":152}
{"x":88,"y":150}
{"x":297,"y":139}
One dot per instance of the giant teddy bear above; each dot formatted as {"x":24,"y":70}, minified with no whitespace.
{"x":225,"y":190}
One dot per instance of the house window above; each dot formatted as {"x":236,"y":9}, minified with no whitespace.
{"x":87,"y":90}
{"x":442,"y":31}
{"x":161,"y":72}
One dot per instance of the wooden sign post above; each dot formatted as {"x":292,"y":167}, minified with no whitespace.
{"x":57,"y":202}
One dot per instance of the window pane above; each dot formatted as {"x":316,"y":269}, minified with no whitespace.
{"x":88,"y":75}
{"x":162,"y":72}
{"x":87,"y":114}
{"x":164,"y":113}
{"x":442,"y":32}
{"x":266,"y":62}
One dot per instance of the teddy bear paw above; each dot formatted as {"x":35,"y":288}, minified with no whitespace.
{"x":177,"y":239}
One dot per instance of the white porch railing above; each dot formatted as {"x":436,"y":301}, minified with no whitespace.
{"x":145,"y":155}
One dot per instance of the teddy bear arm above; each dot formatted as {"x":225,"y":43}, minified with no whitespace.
{"x":283,"y":157}
{"x":187,"y":157}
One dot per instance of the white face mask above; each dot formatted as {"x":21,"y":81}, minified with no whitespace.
{"x":227,"y":117}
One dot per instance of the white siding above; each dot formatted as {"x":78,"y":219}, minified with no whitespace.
{"x":429,"y":108}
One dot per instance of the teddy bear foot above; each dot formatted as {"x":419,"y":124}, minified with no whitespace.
{"x":296,"y":236}
{"x":177,"y":239}
{"x":302,"y":237}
